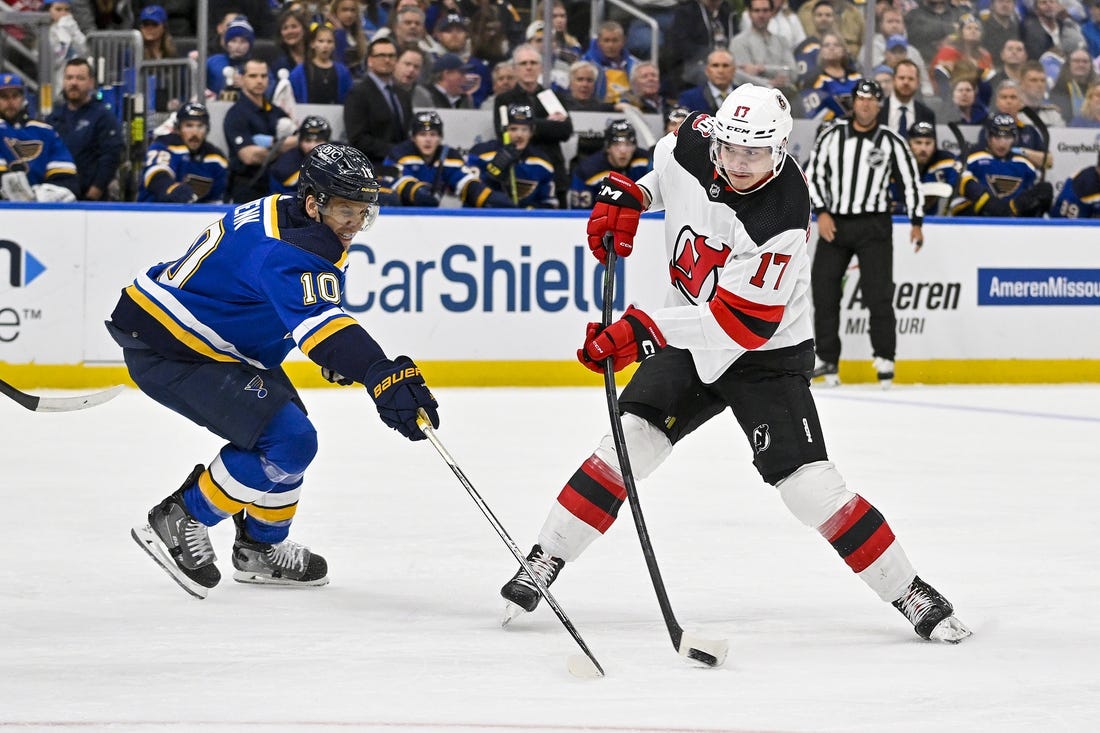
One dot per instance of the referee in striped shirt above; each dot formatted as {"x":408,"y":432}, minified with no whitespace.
{"x":850,"y":170}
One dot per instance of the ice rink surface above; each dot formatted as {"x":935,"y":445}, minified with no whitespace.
{"x":992,"y":490}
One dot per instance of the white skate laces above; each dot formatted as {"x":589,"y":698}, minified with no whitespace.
{"x":197,"y":539}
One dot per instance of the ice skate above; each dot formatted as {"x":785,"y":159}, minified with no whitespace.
{"x":931,"y":614}
{"x":884,"y":370}
{"x":521,"y":592}
{"x":179,"y":543}
{"x":828,"y":370}
{"x":285,"y":563}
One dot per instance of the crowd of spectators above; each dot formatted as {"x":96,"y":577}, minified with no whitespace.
{"x":938,"y":61}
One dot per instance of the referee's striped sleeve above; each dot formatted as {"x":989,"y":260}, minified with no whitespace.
{"x":908,"y":176}
{"x":817,"y":172}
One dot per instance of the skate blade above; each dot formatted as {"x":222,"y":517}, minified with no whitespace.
{"x":147,"y":540}
{"x":950,"y":631}
{"x":511,"y":611}
{"x":711,"y":652}
{"x":243,"y":576}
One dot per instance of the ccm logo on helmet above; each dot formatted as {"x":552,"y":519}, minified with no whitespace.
{"x":392,"y":379}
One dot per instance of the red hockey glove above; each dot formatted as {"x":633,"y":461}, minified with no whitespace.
{"x":617,"y":209}
{"x":634,"y":337}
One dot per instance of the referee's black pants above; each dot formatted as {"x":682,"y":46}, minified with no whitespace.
{"x":870,"y":238}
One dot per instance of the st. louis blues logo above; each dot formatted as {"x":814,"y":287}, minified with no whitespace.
{"x":257,"y":386}
{"x":761,"y":438}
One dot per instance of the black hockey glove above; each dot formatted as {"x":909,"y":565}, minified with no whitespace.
{"x":498,"y":200}
{"x":398,"y":390}
{"x":505,"y":158}
{"x":423,"y":196}
{"x":1035,"y":201}
{"x":180,"y":193}
{"x":336,"y":377}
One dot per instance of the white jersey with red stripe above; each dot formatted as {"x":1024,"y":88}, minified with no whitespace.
{"x":738,"y":262}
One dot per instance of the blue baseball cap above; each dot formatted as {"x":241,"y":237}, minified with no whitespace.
{"x":11,"y":81}
{"x":154,"y":13}
{"x":897,"y":40}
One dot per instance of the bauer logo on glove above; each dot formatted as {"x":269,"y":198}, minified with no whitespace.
{"x":392,"y":379}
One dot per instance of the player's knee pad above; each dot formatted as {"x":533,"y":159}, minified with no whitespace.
{"x":287,"y":445}
{"x":814,"y":493}
{"x":647,"y":447}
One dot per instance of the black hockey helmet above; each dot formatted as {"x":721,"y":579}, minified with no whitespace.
{"x":333,"y":169}
{"x":521,"y":114}
{"x":1001,"y":125}
{"x":619,"y":131}
{"x":315,"y":127}
{"x":426,"y":121}
{"x":193,"y":111}
{"x":677,"y":115}
{"x":868,"y":88}
{"x":922,"y":129}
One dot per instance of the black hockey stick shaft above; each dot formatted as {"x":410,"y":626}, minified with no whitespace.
{"x":429,"y":432}
{"x":35,"y":403}
{"x":964,"y":146}
{"x":1044,"y":134}
{"x":674,"y":629}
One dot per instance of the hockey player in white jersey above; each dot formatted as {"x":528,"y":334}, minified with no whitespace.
{"x":736,"y":332}
{"x":206,"y":335}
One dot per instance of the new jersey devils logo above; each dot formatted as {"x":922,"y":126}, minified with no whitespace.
{"x":695,"y":265}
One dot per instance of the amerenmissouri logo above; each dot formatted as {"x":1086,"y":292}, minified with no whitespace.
{"x":1038,"y":286}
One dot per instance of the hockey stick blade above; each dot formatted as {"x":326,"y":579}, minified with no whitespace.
{"x":711,"y":652}
{"x":593,"y":669}
{"x":59,"y":404}
{"x":705,"y":651}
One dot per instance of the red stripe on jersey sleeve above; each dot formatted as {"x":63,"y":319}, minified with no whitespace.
{"x":749,"y":324}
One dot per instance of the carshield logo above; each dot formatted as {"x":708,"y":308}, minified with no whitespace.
{"x":23,"y":267}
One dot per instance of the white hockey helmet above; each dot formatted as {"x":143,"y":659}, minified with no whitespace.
{"x":754,"y":117}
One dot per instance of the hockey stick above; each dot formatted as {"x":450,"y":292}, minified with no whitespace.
{"x":1044,"y":135}
{"x":964,"y":146}
{"x":59,"y":404}
{"x":711,"y":652}
{"x":578,"y":666}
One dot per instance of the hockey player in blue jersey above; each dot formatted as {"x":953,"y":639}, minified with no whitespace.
{"x":283,"y":174}
{"x":935,"y":164}
{"x":206,"y":335}
{"x":184,"y":167}
{"x":1080,"y":195}
{"x":1000,"y":182}
{"x":620,"y":154}
{"x":515,"y":167}
{"x":424,"y":168}
{"x":35,"y":165}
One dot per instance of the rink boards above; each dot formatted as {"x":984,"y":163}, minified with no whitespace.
{"x":486,"y":299}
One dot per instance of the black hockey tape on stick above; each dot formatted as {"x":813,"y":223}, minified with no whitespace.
{"x":711,"y":652}
{"x":586,"y":666}
{"x":35,"y":403}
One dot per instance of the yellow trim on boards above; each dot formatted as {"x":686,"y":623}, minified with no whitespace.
{"x":571,"y":374}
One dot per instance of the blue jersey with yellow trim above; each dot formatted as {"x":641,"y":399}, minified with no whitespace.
{"x":591,"y":170}
{"x":1080,"y":196}
{"x":805,"y":61}
{"x":447,"y":172}
{"x":257,"y":282}
{"x":172,"y":172}
{"x":282,"y":176}
{"x":534,"y":175}
{"x":942,"y":168}
{"x":829,"y":94}
{"x":36,"y":148}
{"x":1000,"y":178}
